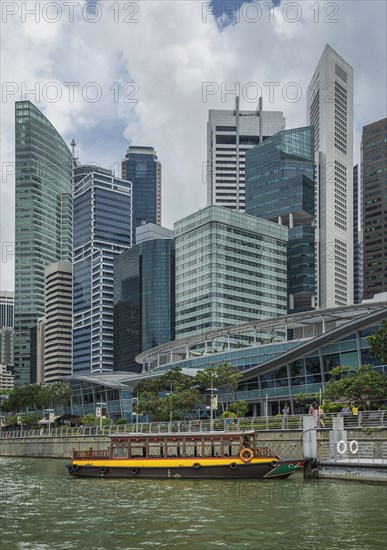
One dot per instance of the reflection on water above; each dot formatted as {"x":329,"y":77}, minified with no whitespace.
{"x":43,"y":508}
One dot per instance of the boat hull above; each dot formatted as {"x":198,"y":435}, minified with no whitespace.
{"x":275,"y":469}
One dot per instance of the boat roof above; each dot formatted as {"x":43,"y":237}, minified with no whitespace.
{"x":182,"y":434}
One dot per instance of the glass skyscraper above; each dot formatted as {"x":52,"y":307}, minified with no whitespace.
{"x":43,"y":223}
{"x":144,"y":300}
{"x":280,"y":187}
{"x":142,"y":167}
{"x":231,"y":268}
{"x":102,"y":229}
{"x":374,"y":207}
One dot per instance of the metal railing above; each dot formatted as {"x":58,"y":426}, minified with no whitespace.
{"x":354,"y":451}
{"x":91,"y":454}
{"x":364,"y":420}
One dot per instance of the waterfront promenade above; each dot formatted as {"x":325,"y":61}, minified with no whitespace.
{"x":368,"y":429}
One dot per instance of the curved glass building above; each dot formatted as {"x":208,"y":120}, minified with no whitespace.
{"x":43,"y":224}
{"x":275,"y":369}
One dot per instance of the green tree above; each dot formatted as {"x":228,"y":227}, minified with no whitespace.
{"x":171,"y":394}
{"x":224,"y":377}
{"x":239,"y":408}
{"x":36,"y":397}
{"x":378,"y":343}
{"x":358,"y":385}
{"x":30,"y":419}
{"x":90,"y":420}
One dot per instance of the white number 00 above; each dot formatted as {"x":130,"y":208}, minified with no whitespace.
{"x":342,"y":447}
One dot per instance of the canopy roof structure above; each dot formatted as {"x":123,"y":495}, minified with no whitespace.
{"x":309,"y":324}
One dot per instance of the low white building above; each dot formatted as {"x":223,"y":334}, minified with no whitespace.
{"x":6,"y":379}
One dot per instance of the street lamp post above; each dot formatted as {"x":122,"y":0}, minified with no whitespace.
{"x":101,"y":404}
{"x":171,"y":411}
{"x":49,"y":411}
{"x":136,"y":412}
{"x":170,"y":394}
{"x":212,"y":389}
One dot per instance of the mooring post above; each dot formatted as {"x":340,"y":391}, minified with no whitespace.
{"x":336,"y":434}
{"x":309,"y":440}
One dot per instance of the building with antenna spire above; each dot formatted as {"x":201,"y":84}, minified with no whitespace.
{"x":230,"y":133}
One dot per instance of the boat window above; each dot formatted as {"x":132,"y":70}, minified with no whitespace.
{"x":231,"y":447}
{"x":120,"y":450}
{"x":138,"y":448}
{"x":193,"y":447}
{"x":173,"y":448}
{"x":212,"y":447}
{"x":156,"y":449}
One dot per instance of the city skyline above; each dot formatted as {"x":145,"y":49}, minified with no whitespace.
{"x":178,"y":101}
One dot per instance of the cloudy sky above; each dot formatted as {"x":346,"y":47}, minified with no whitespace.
{"x":115,"y":73}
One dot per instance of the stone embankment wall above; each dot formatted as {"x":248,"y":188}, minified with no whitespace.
{"x":286,"y":443}
{"x":51,"y":447}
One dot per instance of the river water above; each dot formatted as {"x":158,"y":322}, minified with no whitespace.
{"x":43,"y":508}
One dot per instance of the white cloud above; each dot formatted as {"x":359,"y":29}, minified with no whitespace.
{"x":169,"y":53}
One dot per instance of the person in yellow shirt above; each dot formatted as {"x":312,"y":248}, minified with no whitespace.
{"x":355,"y":410}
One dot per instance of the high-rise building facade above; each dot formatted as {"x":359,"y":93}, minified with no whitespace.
{"x":374,"y":207}
{"x":102,"y":229}
{"x":231,"y":268}
{"x":357,"y":240}
{"x":7,"y":305}
{"x":150,"y":231}
{"x":280,"y":187}
{"x":330,"y":111}
{"x":230,"y":133}
{"x":142,"y":167}
{"x":7,"y":346}
{"x":43,"y":224}
{"x":58,"y":322}
{"x":144,"y":300}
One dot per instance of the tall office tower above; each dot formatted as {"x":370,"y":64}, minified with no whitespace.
{"x":7,"y":304}
{"x":144,"y":298}
{"x":6,"y":346}
{"x":330,"y":111}
{"x":357,"y":241}
{"x":58,"y":326}
{"x":142,"y":167}
{"x":229,"y":135}
{"x":231,"y":268}
{"x":102,"y":229}
{"x":43,"y":222}
{"x":38,"y":342}
{"x":374,"y":207}
{"x":280,"y":187}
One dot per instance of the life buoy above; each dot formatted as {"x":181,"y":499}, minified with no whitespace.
{"x":196,"y":466}
{"x":134,"y":471}
{"x":274,"y":464}
{"x":246,"y":455}
{"x":74,"y":467}
{"x":103,"y":470}
{"x":233,"y":465}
